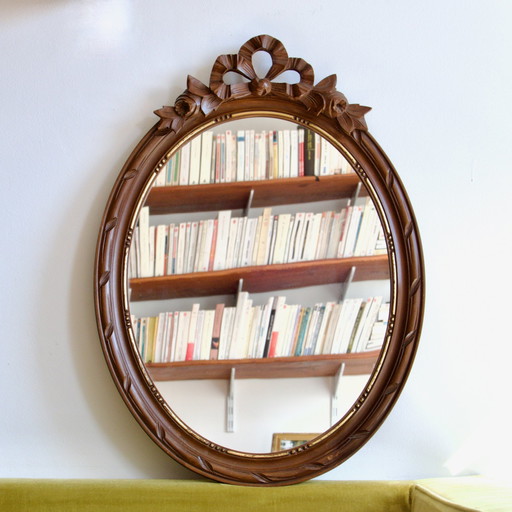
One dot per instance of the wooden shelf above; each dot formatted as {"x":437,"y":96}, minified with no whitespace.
{"x":233,"y":196}
{"x":360,"y":363}
{"x":259,"y":278}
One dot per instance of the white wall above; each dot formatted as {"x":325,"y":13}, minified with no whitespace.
{"x":79,"y":83}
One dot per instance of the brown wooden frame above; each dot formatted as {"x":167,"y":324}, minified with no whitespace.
{"x":322,"y":108}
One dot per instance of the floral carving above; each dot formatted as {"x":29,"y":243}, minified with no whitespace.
{"x":196,"y":98}
{"x":322,"y":99}
{"x":186,"y":105}
{"x":325,"y":99}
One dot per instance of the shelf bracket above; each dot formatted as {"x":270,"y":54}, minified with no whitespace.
{"x":240,"y":287}
{"x":355,"y":195}
{"x":249,"y":203}
{"x":346,"y":284}
{"x":230,"y":403}
{"x":335,"y":394}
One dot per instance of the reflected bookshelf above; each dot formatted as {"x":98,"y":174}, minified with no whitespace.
{"x":222,"y":196}
{"x":271,"y":252}
{"x":360,"y":363}
{"x":259,"y":278}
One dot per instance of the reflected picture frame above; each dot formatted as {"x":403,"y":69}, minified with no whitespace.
{"x":287,"y":441}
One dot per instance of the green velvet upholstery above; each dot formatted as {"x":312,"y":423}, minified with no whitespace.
{"x":467,"y":494}
{"x":199,"y":496}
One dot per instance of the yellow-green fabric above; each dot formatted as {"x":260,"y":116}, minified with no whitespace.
{"x":468,"y":494}
{"x":200,"y":496}
{"x":465,"y":494}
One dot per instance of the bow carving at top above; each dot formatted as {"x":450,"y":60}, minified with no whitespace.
{"x":320,"y":99}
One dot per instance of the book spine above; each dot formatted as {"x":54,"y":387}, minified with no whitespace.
{"x":240,"y":163}
{"x":217,"y":323}
{"x":182,"y":340}
{"x":206,"y":157}
{"x":309,"y":152}
{"x":277,"y":301}
{"x":195,"y":161}
{"x":294,"y":153}
{"x":224,"y":221}
{"x":168,"y":338}
{"x":184,"y":164}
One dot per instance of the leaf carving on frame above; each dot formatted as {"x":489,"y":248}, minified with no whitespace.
{"x":323,"y":98}
{"x":408,"y":229}
{"x":415,"y":286}
{"x":130,"y":174}
{"x":361,"y":434}
{"x":108,"y":331}
{"x":315,"y":466}
{"x":260,"y":477}
{"x":205,"y":464}
{"x":409,"y":338}
{"x":160,"y":431}
{"x":170,"y":120}
{"x":127,"y":383}
{"x":390,"y":180}
{"x":104,"y":278}
{"x":391,"y":388}
{"x":110,"y":224}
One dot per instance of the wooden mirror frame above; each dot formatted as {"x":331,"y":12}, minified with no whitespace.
{"x":325,"y":110}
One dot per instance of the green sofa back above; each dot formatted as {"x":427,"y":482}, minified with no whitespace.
{"x":199,"y":496}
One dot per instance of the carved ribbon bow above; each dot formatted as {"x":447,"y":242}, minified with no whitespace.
{"x":322,"y":99}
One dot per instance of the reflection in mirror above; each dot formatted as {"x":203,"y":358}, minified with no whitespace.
{"x":253,"y":282}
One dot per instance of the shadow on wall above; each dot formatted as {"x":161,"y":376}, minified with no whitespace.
{"x":74,"y":379}
{"x":11,"y":11}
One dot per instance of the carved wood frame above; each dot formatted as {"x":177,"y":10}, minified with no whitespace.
{"x":327,"y":111}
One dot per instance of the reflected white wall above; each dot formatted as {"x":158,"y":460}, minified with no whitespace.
{"x":262,"y":407}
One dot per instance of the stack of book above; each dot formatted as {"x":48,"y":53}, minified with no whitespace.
{"x":232,"y":242}
{"x":274,"y":329}
{"x":246,"y":155}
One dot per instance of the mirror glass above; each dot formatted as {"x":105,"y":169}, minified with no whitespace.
{"x":256,"y":256}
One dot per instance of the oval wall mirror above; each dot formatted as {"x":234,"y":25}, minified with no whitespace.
{"x":259,"y":277}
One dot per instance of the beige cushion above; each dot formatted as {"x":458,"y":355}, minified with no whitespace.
{"x":464,"y":494}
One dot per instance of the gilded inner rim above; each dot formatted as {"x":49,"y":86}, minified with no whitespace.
{"x":393,"y":292}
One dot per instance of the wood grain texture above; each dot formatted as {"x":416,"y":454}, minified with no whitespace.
{"x":360,"y":363}
{"x":259,"y":278}
{"x":233,"y":196}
